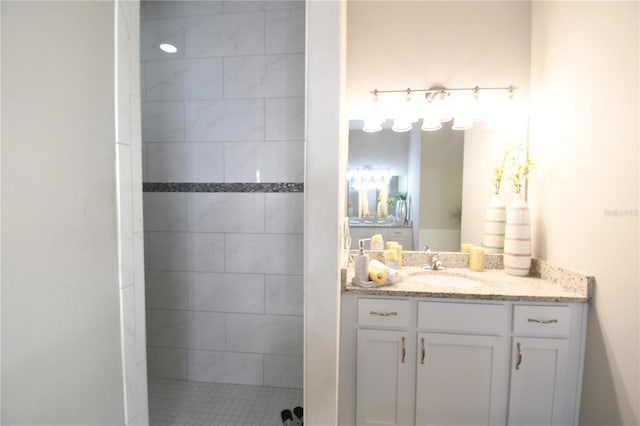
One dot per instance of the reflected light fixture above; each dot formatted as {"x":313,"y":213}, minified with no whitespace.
{"x":168,"y":48}
{"x":372,"y":125}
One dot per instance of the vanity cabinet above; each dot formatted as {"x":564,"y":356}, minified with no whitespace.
{"x":457,"y":362}
{"x":384,"y":365}
{"x":542,"y":388}
{"x":384,"y":388}
{"x":460,"y":377}
{"x":403,"y":235}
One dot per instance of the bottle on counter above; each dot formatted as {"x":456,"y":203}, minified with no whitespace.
{"x":362,"y":264}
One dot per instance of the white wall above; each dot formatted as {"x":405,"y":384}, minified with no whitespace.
{"x":61,"y":352}
{"x":325,"y":178}
{"x":584,"y":195}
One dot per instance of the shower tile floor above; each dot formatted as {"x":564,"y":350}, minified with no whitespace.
{"x":182,"y":403}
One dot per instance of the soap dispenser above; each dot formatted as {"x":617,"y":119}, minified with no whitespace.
{"x":362,"y":264}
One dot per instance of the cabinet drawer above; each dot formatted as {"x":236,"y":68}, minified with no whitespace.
{"x":462,"y":317}
{"x":383,"y":312}
{"x":399,"y":232}
{"x":543,"y":320}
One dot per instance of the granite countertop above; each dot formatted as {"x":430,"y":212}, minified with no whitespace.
{"x":545,"y":283}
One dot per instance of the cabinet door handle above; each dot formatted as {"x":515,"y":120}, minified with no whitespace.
{"x":423,"y":351}
{"x":551,"y":321}
{"x":404,"y":350}
{"x":383,"y":314}
{"x":519,"y":356}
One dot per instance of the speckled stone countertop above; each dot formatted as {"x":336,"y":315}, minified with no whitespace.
{"x":545,"y":283}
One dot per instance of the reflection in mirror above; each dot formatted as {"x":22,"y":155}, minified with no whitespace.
{"x":427,"y":166}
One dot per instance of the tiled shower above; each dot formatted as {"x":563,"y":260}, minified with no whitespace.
{"x":223,"y":166}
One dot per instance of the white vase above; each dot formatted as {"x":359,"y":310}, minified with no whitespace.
{"x":494,"y":226}
{"x":517,"y":238}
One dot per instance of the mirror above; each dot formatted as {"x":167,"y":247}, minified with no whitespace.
{"x":427,"y":166}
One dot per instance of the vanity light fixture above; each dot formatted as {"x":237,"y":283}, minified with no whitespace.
{"x":168,"y":48}
{"x":401,"y":124}
{"x":439,"y":108}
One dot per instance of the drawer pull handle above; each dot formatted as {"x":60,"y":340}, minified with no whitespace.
{"x":404,"y":350}
{"x":383,"y":314}
{"x":551,"y":321}
{"x":423,"y":351}
{"x":519,"y":358}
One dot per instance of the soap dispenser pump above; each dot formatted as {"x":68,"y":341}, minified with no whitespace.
{"x":362,"y":264}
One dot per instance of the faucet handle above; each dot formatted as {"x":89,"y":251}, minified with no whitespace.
{"x":426,"y":248}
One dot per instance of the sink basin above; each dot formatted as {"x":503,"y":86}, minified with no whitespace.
{"x":435,"y":279}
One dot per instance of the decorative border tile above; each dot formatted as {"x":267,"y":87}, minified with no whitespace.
{"x":221,"y":187}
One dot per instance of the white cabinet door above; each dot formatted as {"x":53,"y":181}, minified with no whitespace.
{"x":461,"y":379}
{"x":383,"y":378}
{"x":538,"y":382}
{"x":404,"y":237}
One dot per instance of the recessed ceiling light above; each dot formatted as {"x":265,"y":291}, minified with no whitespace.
{"x":169,"y":48}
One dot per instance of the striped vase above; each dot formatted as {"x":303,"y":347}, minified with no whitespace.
{"x":517,"y":238}
{"x":494,"y":225}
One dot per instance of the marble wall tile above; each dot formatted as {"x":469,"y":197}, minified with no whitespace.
{"x":284,"y":294}
{"x":226,"y":212}
{"x":125,"y":222}
{"x":163,"y":122}
{"x":167,"y":328}
{"x":241,"y":162}
{"x":227,"y":292}
{"x":283,"y":371}
{"x":284,"y":213}
{"x":170,"y":30}
{"x":272,"y":334}
{"x":284,"y":4}
{"x":165,"y":211}
{"x":285,"y":31}
{"x":225,"y":35}
{"x":167,"y":289}
{"x":142,"y":417}
{"x":167,"y":363}
{"x":180,"y":251}
{"x":264,"y":76}
{"x":228,"y":107}
{"x":263,"y":253}
{"x":144,"y":161}
{"x":128,"y":309}
{"x":225,"y":367}
{"x":123,"y":82}
{"x":282,"y":161}
{"x":241,"y":6}
{"x":284,"y":119}
{"x":206,"y":330}
{"x":264,"y":161}
{"x":165,"y":9}
{"x":136,"y":163}
{"x":193,"y":162}
{"x":184,"y":79}
{"x":139,"y":284}
{"x":225,"y":120}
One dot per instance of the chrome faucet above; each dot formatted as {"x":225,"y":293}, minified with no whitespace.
{"x":434,"y":263}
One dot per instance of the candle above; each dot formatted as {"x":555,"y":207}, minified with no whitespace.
{"x":476,"y":259}
{"x":398,"y":249}
{"x":466,"y":247}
